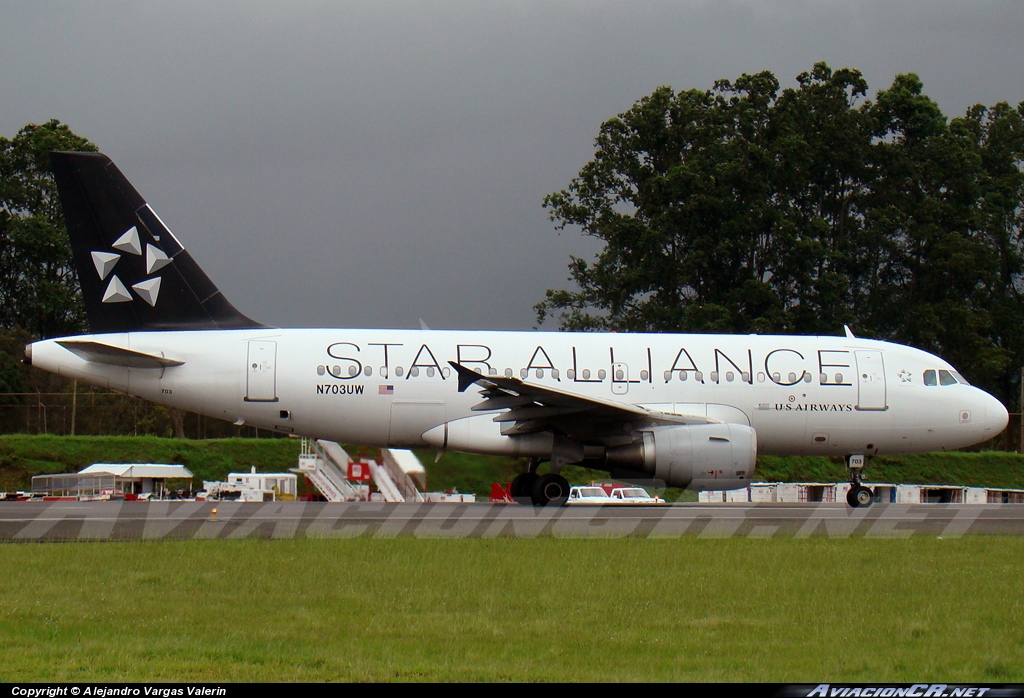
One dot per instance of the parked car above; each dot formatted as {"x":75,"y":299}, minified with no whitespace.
{"x":633,"y":495}
{"x":588,"y":494}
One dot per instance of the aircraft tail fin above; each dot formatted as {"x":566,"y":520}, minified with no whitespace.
{"x":134,"y":273}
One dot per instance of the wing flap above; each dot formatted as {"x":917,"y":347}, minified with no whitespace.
{"x":525,"y":408}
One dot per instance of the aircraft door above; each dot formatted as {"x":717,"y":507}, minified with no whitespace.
{"x":870,"y":381}
{"x":620,"y":379}
{"x":261,"y":372}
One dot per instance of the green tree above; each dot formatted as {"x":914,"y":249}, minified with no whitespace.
{"x":744,"y":208}
{"x":38,"y":285}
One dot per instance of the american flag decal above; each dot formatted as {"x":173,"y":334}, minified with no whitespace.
{"x":386,"y":390}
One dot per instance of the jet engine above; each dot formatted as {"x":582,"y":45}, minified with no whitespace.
{"x":699,"y":456}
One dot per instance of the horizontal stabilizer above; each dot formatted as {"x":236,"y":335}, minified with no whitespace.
{"x":99,"y":353}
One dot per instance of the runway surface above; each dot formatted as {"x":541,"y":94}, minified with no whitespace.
{"x":104,"y":521}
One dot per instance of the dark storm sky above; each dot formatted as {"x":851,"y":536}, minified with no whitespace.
{"x":369,"y":164}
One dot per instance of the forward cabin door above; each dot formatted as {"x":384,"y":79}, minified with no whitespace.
{"x":870,"y":380}
{"x":261,"y":372}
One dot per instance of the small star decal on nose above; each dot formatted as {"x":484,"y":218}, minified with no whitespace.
{"x":905,"y":376}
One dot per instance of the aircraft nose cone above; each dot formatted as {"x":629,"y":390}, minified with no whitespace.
{"x":996,"y":416}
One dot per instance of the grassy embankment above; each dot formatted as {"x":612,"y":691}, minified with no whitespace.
{"x":549,"y":609}
{"x":23,"y":456}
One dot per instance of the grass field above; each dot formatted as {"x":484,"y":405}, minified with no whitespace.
{"x":775,"y":610}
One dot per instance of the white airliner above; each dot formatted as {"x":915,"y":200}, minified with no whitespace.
{"x":683,"y":410}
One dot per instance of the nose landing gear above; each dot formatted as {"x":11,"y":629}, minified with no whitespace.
{"x":859,"y":495}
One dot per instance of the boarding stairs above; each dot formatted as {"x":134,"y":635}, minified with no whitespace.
{"x":326,"y":465}
{"x":327,"y":469}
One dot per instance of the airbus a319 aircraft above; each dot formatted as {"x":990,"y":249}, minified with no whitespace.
{"x":684,"y":410}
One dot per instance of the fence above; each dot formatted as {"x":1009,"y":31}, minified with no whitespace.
{"x":99,"y":413}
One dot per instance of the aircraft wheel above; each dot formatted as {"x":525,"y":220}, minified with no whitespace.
{"x":550,"y":490}
{"x":522,"y":487}
{"x":864,"y":496}
{"x":860,"y":496}
{"x":851,"y":497}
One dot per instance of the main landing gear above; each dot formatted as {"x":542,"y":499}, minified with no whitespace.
{"x":859,"y":495}
{"x":549,"y":489}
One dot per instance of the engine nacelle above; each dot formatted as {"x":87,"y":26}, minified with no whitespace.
{"x":481,"y":434}
{"x":698,"y":457}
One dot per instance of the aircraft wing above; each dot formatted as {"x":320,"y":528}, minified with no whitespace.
{"x":529,"y":408}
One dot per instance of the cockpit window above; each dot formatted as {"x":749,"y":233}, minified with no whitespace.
{"x":943,"y":376}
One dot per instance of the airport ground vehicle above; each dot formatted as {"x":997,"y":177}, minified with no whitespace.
{"x":634,"y":495}
{"x":588,"y":494}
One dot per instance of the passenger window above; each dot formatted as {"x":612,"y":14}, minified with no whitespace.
{"x":929,"y":377}
{"x":946,"y":378}
{"x":367,"y":371}
{"x":714,"y":376}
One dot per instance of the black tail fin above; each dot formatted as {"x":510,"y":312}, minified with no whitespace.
{"x":134,"y":273}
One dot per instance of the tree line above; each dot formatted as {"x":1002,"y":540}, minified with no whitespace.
{"x":741,"y":208}
{"x":750,"y":208}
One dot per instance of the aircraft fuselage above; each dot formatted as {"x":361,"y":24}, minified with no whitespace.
{"x":801,"y":395}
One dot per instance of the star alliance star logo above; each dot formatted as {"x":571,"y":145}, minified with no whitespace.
{"x":129,"y":243}
{"x":905,"y":376}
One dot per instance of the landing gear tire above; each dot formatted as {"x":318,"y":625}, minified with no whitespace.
{"x":860,"y":496}
{"x":550,"y":490}
{"x":522,"y":487}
